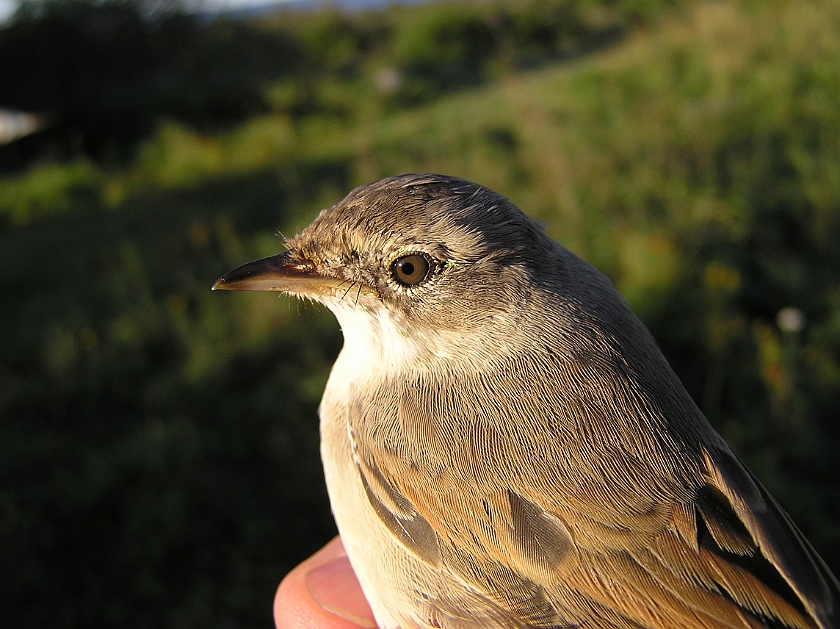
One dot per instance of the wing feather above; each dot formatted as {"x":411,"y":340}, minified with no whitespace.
{"x":561,"y":532}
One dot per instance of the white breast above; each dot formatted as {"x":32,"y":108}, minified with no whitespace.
{"x":374,"y":347}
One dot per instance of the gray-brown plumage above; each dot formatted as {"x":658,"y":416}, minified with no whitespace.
{"x":505,"y":445}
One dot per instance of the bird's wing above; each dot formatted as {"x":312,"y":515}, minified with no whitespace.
{"x":560,"y":538}
{"x":776,"y":554}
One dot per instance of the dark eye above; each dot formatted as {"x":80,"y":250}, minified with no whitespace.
{"x":410,"y":270}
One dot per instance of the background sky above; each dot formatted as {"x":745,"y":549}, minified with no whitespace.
{"x":6,"y":8}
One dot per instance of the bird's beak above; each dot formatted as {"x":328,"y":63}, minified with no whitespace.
{"x":281,"y":272}
{"x":285,"y":272}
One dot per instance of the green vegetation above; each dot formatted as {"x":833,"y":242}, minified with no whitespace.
{"x":158,"y":442}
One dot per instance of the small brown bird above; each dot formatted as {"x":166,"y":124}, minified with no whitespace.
{"x":504,"y":444}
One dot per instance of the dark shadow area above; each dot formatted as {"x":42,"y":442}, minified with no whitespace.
{"x":106,"y":73}
{"x":150,"y":474}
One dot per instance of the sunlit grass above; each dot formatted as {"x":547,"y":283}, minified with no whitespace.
{"x":630,"y":138}
{"x":47,"y":189}
{"x":667,"y":130}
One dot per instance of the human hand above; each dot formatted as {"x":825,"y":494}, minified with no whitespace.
{"x":322,"y":593}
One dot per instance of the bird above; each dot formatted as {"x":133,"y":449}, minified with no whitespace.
{"x":505,"y":445}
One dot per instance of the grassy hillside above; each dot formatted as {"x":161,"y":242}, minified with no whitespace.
{"x":158,"y":442}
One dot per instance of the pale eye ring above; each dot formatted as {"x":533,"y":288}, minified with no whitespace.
{"x":411,"y":269}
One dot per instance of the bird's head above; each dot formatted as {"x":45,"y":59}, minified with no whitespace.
{"x":419,"y":257}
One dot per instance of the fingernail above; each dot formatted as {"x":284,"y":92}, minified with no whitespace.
{"x":335,"y":588}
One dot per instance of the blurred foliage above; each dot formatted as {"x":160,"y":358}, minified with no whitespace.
{"x":159,"y":442}
{"x":106,"y":72}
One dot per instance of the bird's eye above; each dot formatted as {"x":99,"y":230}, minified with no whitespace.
{"x":410,"y":270}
